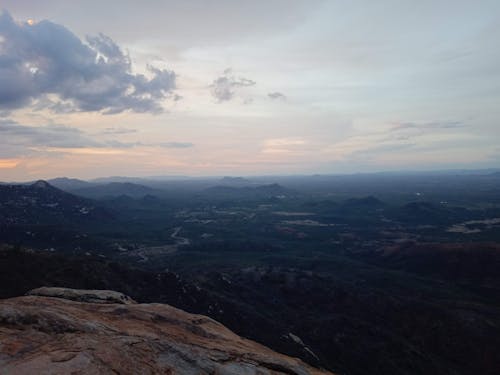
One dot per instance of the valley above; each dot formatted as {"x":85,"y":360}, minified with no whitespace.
{"x":329,"y":271}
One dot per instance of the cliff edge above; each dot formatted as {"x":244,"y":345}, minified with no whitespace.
{"x":62,"y":331}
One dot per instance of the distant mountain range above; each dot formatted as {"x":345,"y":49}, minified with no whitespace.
{"x":68,"y":184}
{"x":235,"y":181}
{"x":99,"y":190}
{"x":115,"y":189}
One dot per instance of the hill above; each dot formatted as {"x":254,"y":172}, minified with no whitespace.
{"x":42,"y":203}
{"x":115,"y":189}
{"x":68,"y":184}
{"x":234,"y":181}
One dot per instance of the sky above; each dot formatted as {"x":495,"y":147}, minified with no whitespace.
{"x":99,"y":88}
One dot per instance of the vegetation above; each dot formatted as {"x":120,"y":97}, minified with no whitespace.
{"x":358,"y":274}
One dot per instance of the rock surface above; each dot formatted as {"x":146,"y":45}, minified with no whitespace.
{"x":44,"y":333}
{"x":83,"y":295}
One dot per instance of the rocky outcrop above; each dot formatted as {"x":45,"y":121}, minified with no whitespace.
{"x":83,"y":295}
{"x":44,"y":333}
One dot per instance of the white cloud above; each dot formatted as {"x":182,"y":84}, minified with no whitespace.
{"x":40,"y":61}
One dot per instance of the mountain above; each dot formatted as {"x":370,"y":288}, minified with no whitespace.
{"x":44,"y":217}
{"x":122,"y":179}
{"x":234,"y":181}
{"x":468,"y":264}
{"x":51,"y":331}
{"x":115,"y":189}
{"x":430,"y":213}
{"x":68,"y":184}
{"x":42,"y":204}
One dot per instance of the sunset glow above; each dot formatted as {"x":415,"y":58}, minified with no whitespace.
{"x":8,"y":163}
{"x":331,"y":88}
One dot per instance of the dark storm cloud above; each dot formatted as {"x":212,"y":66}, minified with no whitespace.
{"x":45,"y":59}
{"x":276,"y":95}
{"x":224,"y":87}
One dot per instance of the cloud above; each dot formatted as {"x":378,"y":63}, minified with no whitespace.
{"x":24,"y":137}
{"x":404,"y":139}
{"x":224,"y":87}
{"x":406,"y":131}
{"x":174,"y":144}
{"x":279,"y":142}
{"x":119,"y":131}
{"x":276,"y":95}
{"x":384,"y":148}
{"x":8,"y":163}
{"x":17,"y":139}
{"x":45,"y":65}
{"x":427,"y":125}
{"x":283,"y":145}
